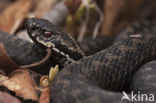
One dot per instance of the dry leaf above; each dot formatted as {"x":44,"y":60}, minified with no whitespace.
{"x":21,"y":83}
{"x":7,"y":98}
{"x":26,"y":85}
{"x":4,"y":4}
{"x":6,"y":64}
{"x":13,"y":16}
{"x":6,"y":82}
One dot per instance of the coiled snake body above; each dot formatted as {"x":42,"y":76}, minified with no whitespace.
{"x":110,"y":69}
{"x":87,"y":80}
{"x":92,"y":79}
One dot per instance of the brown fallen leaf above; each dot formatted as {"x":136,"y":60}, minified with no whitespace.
{"x":12,"y":17}
{"x":26,"y":89}
{"x":6,"y":64}
{"x":7,"y":98}
{"x":4,"y":4}
{"x":21,"y":83}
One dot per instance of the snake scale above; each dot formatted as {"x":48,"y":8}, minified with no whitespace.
{"x":98,"y":78}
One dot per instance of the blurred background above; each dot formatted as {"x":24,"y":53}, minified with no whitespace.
{"x":80,"y":18}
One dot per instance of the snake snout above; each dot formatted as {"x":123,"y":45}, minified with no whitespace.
{"x":29,"y":23}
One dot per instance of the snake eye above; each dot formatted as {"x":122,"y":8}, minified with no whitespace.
{"x":47,"y":33}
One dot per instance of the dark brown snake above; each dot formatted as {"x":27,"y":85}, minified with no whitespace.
{"x":98,"y":78}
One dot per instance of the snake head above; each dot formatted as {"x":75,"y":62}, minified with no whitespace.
{"x":48,"y":35}
{"x":42,"y":32}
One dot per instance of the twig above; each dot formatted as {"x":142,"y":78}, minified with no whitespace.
{"x":98,"y":24}
{"x":40,"y":62}
{"x":84,"y":25}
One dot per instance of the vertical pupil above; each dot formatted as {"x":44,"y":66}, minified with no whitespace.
{"x":47,"y":33}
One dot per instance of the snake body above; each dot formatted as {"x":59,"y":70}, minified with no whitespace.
{"x":92,"y":78}
{"x":87,"y":80}
{"x":98,"y":78}
{"x":145,"y":79}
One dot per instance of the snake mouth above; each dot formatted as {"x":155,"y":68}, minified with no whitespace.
{"x":46,"y":44}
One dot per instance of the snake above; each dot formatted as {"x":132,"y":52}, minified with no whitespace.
{"x":98,"y":78}
{"x":149,"y":68}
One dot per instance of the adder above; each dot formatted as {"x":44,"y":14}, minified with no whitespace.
{"x":98,"y":78}
{"x":91,"y":79}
